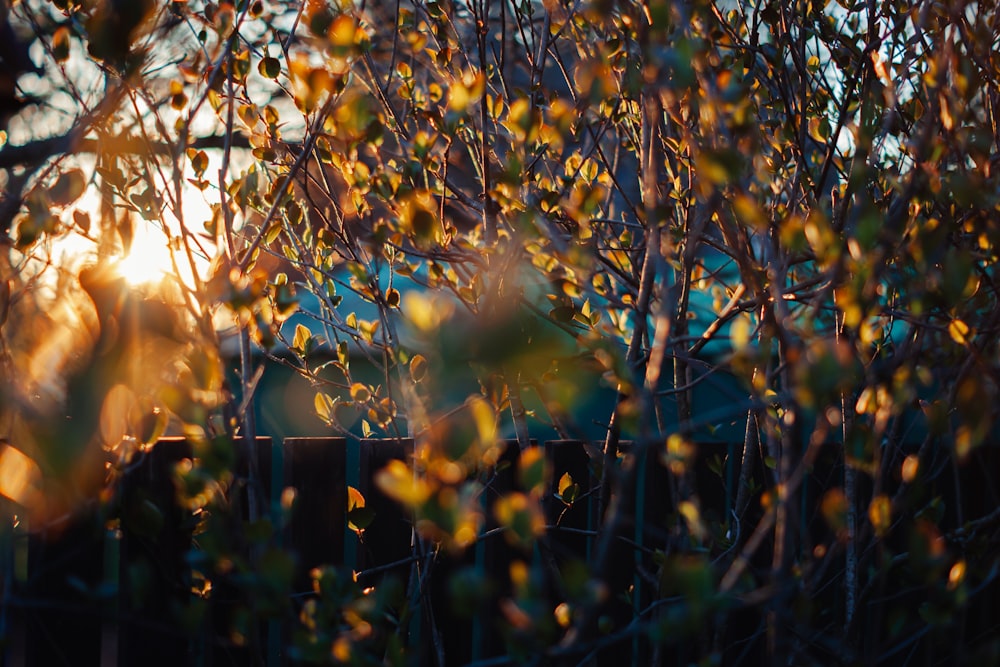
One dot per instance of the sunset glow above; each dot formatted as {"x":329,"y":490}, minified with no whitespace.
{"x":148,"y":261}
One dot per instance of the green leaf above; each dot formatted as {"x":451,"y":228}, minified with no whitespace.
{"x":269,"y":67}
{"x":568,"y":490}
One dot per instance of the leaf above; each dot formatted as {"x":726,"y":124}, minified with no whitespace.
{"x":355,"y":498}
{"x":739,"y":332}
{"x":466,"y":91}
{"x":60,"y":44}
{"x":359,"y":516}
{"x":532,"y":470}
{"x":324,"y":405}
{"x":959,"y":332}
{"x":398,"y":482}
{"x":68,"y":187}
{"x":82,"y":220}
{"x":199,"y":162}
{"x":568,"y":490}
{"x":834,"y":508}
{"x":269,"y":67}
{"x":418,"y":368}
{"x":360,"y":393}
{"x":880,"y":514}
{"x":521,"y":515}
{"x":301,"y":339}
{"x":692,"y":517}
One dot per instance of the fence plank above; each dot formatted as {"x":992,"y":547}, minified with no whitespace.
{"x":389,"y":537}
{"x":316,"y":469}
{"x":153,"y":573}
{"x":63,"y":619}
{"x":570,"y":538}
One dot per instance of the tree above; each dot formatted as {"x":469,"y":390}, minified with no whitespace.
{"x":525,"y":195}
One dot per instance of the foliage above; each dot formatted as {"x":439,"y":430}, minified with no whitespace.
{"x":488,"y":206}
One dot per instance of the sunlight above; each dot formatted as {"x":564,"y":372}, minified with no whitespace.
{"x":148,"y":261}
{"x":19,"y":475}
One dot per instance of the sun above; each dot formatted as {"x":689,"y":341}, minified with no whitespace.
{"x":148,"y":260}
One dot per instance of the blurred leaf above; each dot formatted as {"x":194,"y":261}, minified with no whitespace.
{"x":82,"y":220}
{"x":400,"y":483}
{"x":522,"y":516}
{"x":68,"y":187}
{"x":959,"y":331}
{"x":880,"y":514}
{"x":532,"y":470}
{"x":61,"y":43}
{"x":835,"y":507}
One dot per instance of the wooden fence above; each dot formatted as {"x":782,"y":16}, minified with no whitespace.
{"x":85,"y":594}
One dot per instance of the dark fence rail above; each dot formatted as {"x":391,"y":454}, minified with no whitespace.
{"x":84,"y":593}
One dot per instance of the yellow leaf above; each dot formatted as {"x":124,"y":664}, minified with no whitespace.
{"x":959,"y":331}
{"x":749,"y":213}
{"x":880,"y":514}
{"x":522,"y":517}
{"x":466,"y":91}
{"x":565,"y":482}
{"x":485,"y":418}
{"x":354,"y":498}
{"x":360,"y":392}
{"x":532,"y":470}
{"x":957,"y":575}
{"x":301,"y":338}
{"x":343,"y":32}
{"x":739,"y":332}
{"x":324,"y":405}
{"x":418,"y":368}
{"x":693,"y":519}
{"x":397,"y":481}
{"x":835,"y":507}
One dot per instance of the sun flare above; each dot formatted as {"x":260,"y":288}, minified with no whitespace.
{"x":148,"y":261}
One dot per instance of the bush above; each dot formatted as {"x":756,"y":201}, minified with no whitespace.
{"x":769,"y":224}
